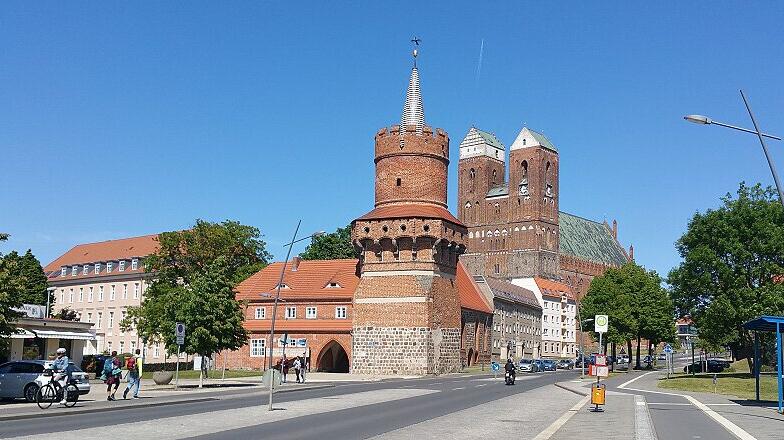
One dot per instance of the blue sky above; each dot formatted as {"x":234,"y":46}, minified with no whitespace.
{"x":119,"y":120}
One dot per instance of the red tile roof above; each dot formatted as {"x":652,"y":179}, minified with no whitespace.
{"x":554,"y":288}
{"x":310,"y":279}
{"x":470,"y":295}
{"x":684,"y":321}
{"x":101,"y":252}
{"x":512,"y":292}
{"x":411,"y":210}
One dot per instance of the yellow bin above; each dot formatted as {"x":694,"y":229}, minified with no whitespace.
{"x":597,"y":394}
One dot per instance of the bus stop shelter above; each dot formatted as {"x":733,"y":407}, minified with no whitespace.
{"x":768,"y":324}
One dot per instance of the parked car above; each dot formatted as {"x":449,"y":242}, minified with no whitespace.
{"x":20,"y":379}
{"x":539,"y":364}
{"x":549,"y":365}
{"x":565,"y":364}
{"x":661,"y":357}
{"x":723,"y":362}
{"x":528,"y":366}
{"x":697,"y":367}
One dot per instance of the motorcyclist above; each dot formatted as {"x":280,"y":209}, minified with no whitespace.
{"x":510,"y":367}
{"x":62,"y":371}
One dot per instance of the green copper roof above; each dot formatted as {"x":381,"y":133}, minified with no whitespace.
{"x":496,"y":191}
{"x":543,"y":141}
{"x":490,"y":139}
{"x":589,"y":240}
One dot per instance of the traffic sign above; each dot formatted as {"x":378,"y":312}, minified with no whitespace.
{"x":668,"y":349}
{"x":495,"y":366}
{"x":599,"y":371}
{"x":179,"y":332}
{"x":600,"y":323}
{"x":273,"y":375}
{"x":601,"y":360}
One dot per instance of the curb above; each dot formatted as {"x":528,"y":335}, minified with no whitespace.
{"x":579,"y":393}
{"x":85,"y":409}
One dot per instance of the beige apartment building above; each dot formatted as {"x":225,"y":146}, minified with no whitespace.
{"x":100,"y":281}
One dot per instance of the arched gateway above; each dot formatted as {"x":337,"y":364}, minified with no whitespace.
{"x":333,"y":358}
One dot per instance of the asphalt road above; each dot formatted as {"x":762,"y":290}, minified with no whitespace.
{"x":358,"y":422}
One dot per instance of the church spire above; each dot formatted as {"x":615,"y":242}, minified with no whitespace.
{"x":413,"y":111}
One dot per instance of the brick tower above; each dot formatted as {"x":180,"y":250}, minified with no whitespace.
{"x":406,"y":306}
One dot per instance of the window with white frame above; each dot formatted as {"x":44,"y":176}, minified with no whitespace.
{"x":121,"y":266}
{"x":123,"y":314}
{"x":89,"y":317}
{"x":122,"y":346}
{"x":100,"y":293}
{"x":97,"y":268}
{"x":340,"y":312}
{"x":310,"y":313}
{"x":135,"y":290}
{"x":62,"y":296}
{"x":109,"y":346}
{"x":112,"y":293}
{"x":99,"y":321}
{"x":109,"y":266}
{"x":257,"y":347}
{"x":291,"y":312}
{"x":85,"y":269}
{"x":133,"y":346}
{"x":110,"y":324}
{"x":134,"y":264}
{"x":63,"y":271}
{"x":70,"y":295}
{"x":261,"y":313}
{"x":156,"y":352}
{"x":90,"y":294}
{"x":74,"y":270}
{"x":81,"y":294}
{"x":125,"y":291}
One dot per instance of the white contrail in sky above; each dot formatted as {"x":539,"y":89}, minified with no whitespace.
{"x":479,"y":64}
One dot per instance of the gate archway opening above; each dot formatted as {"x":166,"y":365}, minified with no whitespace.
{"x":333,"y":358}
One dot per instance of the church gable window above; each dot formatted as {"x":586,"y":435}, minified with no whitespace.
{"x":524,"y":179}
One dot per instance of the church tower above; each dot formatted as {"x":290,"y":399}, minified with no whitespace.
{"x":480,"y":169}
{"x":406,"y":306}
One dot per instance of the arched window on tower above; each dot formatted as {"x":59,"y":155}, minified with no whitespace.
{"x":472,"y":179}
{"x":524,"y":179}
{"x":495,"y":175}
{"x":467,"y":211}
{"x":548,"y":191}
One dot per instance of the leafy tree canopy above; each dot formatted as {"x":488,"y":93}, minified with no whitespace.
{"x":30,"y":276}
{"x":331,"y":246}
{"x":183,"y":254}
{"x":733,"y":260}
{"x":66,"y":314}
{"x":9,"y":294}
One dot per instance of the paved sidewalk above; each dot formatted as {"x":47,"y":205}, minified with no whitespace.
{"x":759,"y":422}
{"x":96,"y":401}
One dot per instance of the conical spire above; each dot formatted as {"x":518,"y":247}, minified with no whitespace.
{"x":413,"y":111}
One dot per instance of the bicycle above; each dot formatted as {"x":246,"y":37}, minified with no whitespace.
{"x":52,"y":392}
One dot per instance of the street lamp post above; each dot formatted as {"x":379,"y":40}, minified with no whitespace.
{"x":704,"y":120}
{"x":582,"y":353}
{"x":277,"y":299}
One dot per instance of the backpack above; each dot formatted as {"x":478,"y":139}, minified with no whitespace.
{"x":130,"y":364}
{"x":108,"y":366}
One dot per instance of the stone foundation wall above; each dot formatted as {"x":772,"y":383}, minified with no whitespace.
{"x":405,"y":350}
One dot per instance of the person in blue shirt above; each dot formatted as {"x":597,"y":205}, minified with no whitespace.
{"x":62,"y":370}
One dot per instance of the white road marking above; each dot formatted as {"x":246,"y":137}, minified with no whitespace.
{"x":480,"y":385}
{"x":458,"y":388}
{"x":669,"y":403}
{"x":556,"y":425}
{"x":736,"y":430}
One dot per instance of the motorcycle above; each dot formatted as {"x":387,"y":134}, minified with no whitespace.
{"x":509,"y":378}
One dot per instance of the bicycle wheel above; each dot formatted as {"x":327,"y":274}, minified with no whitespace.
{"x":72,"y":395}
{"x":45,"y":396}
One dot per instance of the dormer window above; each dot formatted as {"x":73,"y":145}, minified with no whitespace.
{"x":109,"y":266}
{"x":63,"y":271}
{"x":134,"y":264}
{"x":121,"y":265}
{"x":333,"y":285}
{"x":97,"y":268}
{"x":85,"y":269}
{"x":282,"y":286}
{"x":74,"y":270}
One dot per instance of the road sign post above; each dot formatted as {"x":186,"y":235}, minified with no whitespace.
{"x":179,"y":333}
{"x":668,"y":355}
{"x":600,"y":325}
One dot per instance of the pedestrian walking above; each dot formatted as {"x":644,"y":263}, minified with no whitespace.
{"x":297,"y":367}
{"x":284,"y":365}
{"x":134,"y":366}
{"x":304,"y":367}
{"x":111,"y":375}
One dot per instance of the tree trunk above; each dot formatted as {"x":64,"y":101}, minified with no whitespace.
{"x":615,"y":358}
{"x":629,"y":354}
{"x":637,"y":357}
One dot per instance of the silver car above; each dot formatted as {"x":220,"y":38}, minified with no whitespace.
{"x":19,"y":379}
{"x":528,"y":366}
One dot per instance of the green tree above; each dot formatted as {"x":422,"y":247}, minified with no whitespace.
{"x":733,"y":259}
{"x":637,"y":306}
{"x":195,"y":274}
{"x":30,"y":276}
{"x":66,"y":314}
{"x":9,"y":294}
{"x":331,"y":246}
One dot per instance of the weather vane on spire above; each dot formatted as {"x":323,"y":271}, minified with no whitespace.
{"x":415,"y":52}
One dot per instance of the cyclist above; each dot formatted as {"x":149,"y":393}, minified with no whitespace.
{"x":62,"y":371}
